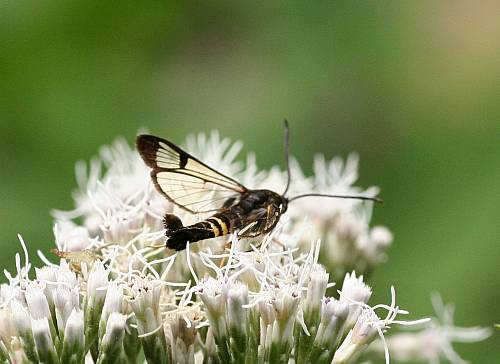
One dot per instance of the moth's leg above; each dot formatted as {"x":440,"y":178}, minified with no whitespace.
{"x":172,"y":223}
{"x":279,"y":242}
{"x":276,"y":240}
{"x":156,"y":246}
{"x":227,"y":247}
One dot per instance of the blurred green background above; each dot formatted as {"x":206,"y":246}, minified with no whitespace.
{"x":413,"y":87}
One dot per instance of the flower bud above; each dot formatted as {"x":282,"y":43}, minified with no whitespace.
{"x":354,"y":290}
{"x":74,"y":338}
{"x":316,"y":290}
{"x":43,"y":341}
{"x":37,"y":301}
{"x":111,"y":343}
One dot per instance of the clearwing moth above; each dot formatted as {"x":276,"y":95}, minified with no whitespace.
{"x":198,"y":188}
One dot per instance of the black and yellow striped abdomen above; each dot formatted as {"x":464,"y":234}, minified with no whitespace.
{"x":217,"y":225}
{"x":252,"y":208}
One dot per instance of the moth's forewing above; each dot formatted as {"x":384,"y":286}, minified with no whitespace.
{"x":183,"y":179}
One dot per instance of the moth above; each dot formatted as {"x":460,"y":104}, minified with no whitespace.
{"x":195,"y":187}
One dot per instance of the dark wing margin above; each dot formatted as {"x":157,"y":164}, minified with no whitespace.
{"x":183,"y":179}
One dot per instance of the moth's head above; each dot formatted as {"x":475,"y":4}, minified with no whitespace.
{"x":277,"y":200}
{"x":283,"y":205}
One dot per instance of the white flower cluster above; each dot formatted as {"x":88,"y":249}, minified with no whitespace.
{"x":117,"y":295}
{"x":344,"y":224}
{"x":434,"y":342}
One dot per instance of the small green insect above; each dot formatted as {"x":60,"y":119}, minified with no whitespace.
{"x":76,"y":259}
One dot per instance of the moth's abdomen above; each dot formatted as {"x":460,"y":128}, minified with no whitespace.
{"x":210,"y":228}
{"x":181,"y":237}
{"x":220,"y":224}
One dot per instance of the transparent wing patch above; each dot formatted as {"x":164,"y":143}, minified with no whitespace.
{"x":183,"y":179}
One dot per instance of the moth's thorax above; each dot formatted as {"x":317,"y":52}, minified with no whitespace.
{"x":255,"y":199}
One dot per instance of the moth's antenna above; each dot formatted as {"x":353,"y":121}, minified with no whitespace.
{"x":287,"y":156}
{"x":367,"y":198}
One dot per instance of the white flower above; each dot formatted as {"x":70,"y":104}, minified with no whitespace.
{"x":71,"y":237}
{"x":230,"y":325}
{"x":111,"y":182}
{"x":213,"y":293}
{"x":434,"y":342}
{"x":277,"y":324}
{"x":368,"y":325}
{"x":354,"y":289}
{"x":10,"y":292}
{"x":7,"y":328}
{"x":145,"y":297}
{"x":22,"y":321}
{"x":113,"y":301}
{"x":97,"y":284}
{"x":74,"y":338}
{"x":331,"y":328}
{"x":21,"y":317}
{"x":50,"y":278}
{"x":111,"y":343}
{"x":120,"y":227}
{"x":237,"y":297}
{"x":66,"y":300}
{"x":73,"y":333}
{"x":316,"y":289}
{"x":342,"y":224}
{"x":37,"y":301}
{"x":115,"y":328}
{"x":372,"y":246}
{"x":181,"y":333}
{"x":43,"y":340}
{"x":145,"y":302}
